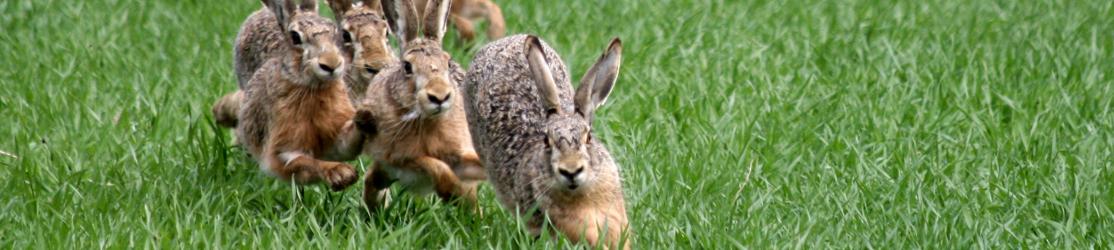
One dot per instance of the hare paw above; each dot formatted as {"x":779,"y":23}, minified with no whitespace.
{"x":365,"y":121}
{"x":340,"y":176}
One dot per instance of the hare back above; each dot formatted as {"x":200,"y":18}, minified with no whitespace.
{"x":260,"y":39}
{"x":294,"y":117}
{"x":504,"y":111}
{"x":507,"y":119}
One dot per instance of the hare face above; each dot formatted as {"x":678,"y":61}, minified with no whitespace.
{"x":315,"y":46}
{"x":566,"y":140}
{"x":365,"y":37}
{"x":427,"y":68}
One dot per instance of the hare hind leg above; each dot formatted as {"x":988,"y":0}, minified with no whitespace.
{"x":376,"y":188}
{"x":496,"y":26}
{"x":445,"y":182}
{"x":464,"y":27}
{"x":302,"y":169}
{"x":226,"y":109}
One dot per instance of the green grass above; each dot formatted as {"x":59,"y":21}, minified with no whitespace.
{"x":738,"y":124}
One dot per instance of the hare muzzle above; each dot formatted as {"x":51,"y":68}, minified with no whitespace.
{"x":435,"y":98}
{"x":571,"y":172}
{"x":328,"y":64}
{"x":372,"y":68}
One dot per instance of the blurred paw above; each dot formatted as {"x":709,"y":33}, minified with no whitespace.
{"x":365,"y":121}
{"x":340,"y":177}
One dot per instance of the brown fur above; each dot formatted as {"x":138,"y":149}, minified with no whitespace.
{"x":295,"y":114}
{"x":417,"y":141}
{"x":534,"y":137}
{"x":368,"y":51}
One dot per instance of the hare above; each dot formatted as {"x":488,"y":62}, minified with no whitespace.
{"x":295,"y":117}
{"x":364,"y":34}
{"x":414,"y":115}
{"x":534,"y":136}
{"x":465,"y":12}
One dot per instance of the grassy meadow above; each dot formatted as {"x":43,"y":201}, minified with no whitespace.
{"x":750,"y":124}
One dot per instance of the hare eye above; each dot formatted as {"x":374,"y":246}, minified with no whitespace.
{"x":296,"y":37}
{"x":546,"y":139}
{"x":409,"y":69}
{"x":347,"y":37}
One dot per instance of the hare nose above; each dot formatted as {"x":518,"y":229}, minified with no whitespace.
{"x":326,"y":68}
{"x":571,"y":175}
{"x":437,"y":101}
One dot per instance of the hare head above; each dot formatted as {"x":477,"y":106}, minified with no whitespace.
{"x":364,"y":35}
{"x":425,"y":64}
{"x":568,"y":132}
{"x":313,"y":40}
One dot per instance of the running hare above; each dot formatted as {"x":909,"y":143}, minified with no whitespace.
{"x":534,"y":136}
{"x":414,"y":114}
{"x":295,"y":114}
{"x":364,"y":37}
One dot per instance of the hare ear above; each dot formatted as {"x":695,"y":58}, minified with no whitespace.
{"x":282,"y":13}
{"x":339,"y":7}
{"x":308,"y":5}
{"x":374,"y":6}
{"x":598,"y":82}
{"x":403,"y":19}
{"x":543,"y":77}
{"x":436,"y":19}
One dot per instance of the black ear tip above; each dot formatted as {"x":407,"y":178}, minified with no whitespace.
{"x":616,"y":44}
{"x":531,"y":41}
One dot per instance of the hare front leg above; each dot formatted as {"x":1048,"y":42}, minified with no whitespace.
{"x":376,"y":184}
{"x":349,"y":144}
{"x":605,"y":227}
{"x":445,"y":182}
{"x":302,"y":169}
{"x":470,"y":168}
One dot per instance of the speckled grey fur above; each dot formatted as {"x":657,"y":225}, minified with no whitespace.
{"x":510,"y":128}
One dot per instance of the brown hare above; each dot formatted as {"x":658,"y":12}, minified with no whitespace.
{"x":414,"y":114}
{"x":534,"y":136}
{"x":295,"y":117}
{"x":364,"y":37}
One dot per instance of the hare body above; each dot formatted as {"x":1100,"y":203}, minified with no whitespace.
{"x":464,"y":13}
{"x":295,"y":114}
{"x":533,"y":135}
{"x":260,"y":38}
{"x":413,"y":113}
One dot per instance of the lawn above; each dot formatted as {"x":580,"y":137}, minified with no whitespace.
{"x":756,"y":124}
